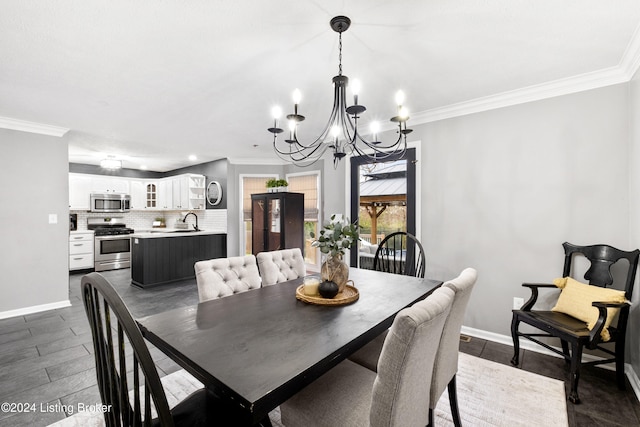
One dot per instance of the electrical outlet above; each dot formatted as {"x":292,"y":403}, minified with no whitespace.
{"x":517,"y":303}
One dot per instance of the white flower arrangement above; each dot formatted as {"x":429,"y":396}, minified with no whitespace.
{"x":336,"y":237}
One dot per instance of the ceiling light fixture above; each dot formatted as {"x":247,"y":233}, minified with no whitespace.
{"x":341,"y":133}
{"x":111,"y":163}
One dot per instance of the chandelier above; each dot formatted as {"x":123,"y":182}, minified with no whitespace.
{"x":341,"y":134}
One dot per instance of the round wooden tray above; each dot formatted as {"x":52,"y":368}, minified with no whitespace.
{"x":349,"y":295}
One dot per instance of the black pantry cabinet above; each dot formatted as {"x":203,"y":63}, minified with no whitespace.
{"x":277,"y":221}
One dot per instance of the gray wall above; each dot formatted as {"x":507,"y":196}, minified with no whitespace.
{"x":633,"y":342}
{"x":125,"y":172}
{"x":503,"y":189}
{"x":35,"y":254}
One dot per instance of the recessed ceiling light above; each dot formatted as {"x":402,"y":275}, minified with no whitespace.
{"x":143,"y":167}
{"x":193,"y":157}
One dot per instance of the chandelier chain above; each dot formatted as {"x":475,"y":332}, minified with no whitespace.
{"x":340,"y":54}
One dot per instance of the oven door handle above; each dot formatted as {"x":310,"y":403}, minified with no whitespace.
{"x":113,"y":237}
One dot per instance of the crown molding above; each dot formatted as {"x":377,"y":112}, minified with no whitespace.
{"x":622,"y":73}
{"x":588,"y":81}
{"x":631,"y":58}
{"x":32,"y":127}
{"x":256,"y":161}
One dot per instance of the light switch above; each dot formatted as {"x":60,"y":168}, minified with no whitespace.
{"x":53,"y":218}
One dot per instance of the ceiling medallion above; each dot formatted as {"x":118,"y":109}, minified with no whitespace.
{"x":341,"y":133}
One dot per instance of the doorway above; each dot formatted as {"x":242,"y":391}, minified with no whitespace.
{"x":383,"y":200}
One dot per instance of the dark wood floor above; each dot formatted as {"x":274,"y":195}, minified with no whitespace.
{"x":48,"y":358}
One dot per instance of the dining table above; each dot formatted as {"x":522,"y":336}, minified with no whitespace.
{"x":256,"y":349}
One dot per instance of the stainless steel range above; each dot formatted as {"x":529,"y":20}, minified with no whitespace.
{"x":112,"y":243}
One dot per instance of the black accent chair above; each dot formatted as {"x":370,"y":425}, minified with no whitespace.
{"x":113,"y":329}
{"x":400,"y":253}
{"x":573,"y":332}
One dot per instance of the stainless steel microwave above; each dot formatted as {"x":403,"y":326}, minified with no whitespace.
{"x":110,"y":202}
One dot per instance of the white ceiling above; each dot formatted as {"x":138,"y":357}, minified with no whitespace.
{"x":154,"y":81}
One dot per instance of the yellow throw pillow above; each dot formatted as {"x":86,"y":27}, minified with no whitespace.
{"x":576,"y":298}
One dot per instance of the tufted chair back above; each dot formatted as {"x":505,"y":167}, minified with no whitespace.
{"x":221,"y":277}
{"x":280,"y":266}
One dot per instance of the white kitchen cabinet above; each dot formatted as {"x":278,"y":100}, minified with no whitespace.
{"x":108,"y":184}
{"x":151,"y":195}
{"x":165,"y":194}
{"x":138,"y":194}
{"x":180,"y":192}
{"x":180,"y":185}
{"x":195,"y":191}
{"x":188,"y":191}
{"x":82,"y":185}
{"x":81,"y":247}
{"x":79,"y":190}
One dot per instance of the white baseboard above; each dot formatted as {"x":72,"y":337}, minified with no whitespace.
{"x":507,"y":340}
{"x":633,"y":379}
{"x":34,"y":309}
{"x":530,"y":346}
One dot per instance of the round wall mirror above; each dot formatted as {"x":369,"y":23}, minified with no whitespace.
{"x":214,"y":193}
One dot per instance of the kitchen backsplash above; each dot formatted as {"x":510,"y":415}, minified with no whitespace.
{"x":209,"y":220}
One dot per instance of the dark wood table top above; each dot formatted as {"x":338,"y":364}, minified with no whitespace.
{"x":260,"y":347}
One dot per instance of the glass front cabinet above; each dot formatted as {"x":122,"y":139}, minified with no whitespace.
{"x":277,"y":221}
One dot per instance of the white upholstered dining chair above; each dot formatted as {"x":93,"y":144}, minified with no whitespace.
{"x":280,"y":266}
{"x":446,"y":363}
{"x":220,"y":277}
{"x":352,"y":395}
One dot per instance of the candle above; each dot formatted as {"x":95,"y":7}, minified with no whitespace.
{"x":297,"y":97}
{"x":311,"y":284}
{"x":355,"y":89}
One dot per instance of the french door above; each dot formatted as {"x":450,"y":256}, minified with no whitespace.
{"x":383,"y":197}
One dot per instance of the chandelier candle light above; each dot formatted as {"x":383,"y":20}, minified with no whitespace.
{"x":341,"y":133}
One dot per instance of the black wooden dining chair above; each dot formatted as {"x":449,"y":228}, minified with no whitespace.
{"x":114,"y":330}
{"x":575,"y":332}
{"x":400,"y":253}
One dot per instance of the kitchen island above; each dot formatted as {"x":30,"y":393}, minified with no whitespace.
{"x":168,"y":255}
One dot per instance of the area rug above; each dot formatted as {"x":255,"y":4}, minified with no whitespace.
{"x":489,"y":394}
{"x":493,"y":394}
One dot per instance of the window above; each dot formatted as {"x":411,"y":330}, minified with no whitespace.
{"x":309,"y":185}
{"x":250,"y":184}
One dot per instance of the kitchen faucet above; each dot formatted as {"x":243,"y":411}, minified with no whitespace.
{"x":195,"y":227}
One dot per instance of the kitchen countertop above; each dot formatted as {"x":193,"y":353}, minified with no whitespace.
{"x":80,"y":231}
{"x":171,"y":232}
